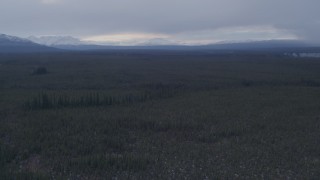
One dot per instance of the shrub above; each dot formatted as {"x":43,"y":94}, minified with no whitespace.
{"x":46,"y":100}
{"x":39,"y":71}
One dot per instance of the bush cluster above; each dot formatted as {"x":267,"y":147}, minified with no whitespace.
{"x":47,"y":100}
{"x":39,"y":71}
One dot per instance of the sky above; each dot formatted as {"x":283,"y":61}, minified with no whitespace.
{"x":130,"y":22}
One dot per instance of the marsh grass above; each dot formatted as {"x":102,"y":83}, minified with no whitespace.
{"x":159,"y":116}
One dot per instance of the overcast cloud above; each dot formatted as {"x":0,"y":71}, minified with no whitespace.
{"x":183,"y":21}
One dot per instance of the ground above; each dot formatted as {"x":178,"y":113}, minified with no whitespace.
{"x":159,"y":115}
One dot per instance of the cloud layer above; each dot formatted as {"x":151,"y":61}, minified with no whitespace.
{"x":182,"y":20}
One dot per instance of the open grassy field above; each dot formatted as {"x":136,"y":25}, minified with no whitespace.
{"x":159,"y":115}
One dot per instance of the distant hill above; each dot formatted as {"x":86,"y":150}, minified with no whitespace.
{"x":56,"y":40}
{"x":71,"y":43}
{"x":267,"y":44}
{"x":13,"y":44}
{"x":273,"y":45}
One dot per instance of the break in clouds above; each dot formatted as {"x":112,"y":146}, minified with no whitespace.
{"x":178,"y":21}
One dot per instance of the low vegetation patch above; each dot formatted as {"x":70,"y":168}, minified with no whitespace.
{"x":47,"y":100}
{"x":39,"y":71}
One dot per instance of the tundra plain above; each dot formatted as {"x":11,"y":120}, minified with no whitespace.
{"x":159,"y":115}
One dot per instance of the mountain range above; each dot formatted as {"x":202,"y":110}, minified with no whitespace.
{"x":13,"y":44}
{"x":56,"y":40}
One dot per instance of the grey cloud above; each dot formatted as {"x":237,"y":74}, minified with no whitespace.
{"x":95,"y":17}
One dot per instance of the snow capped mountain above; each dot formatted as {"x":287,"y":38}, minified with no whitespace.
{"x":13,"y":44}
{"x":56,"y":40}
{"x":60,"y":43}
{"x":7,"y":38}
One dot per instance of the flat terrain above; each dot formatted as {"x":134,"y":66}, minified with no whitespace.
{"x":159,"y":115}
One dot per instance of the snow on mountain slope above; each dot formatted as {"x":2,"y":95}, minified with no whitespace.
{"x":13,"y":44}
{"x":56,"y":40}
{"x":7,"y":38}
